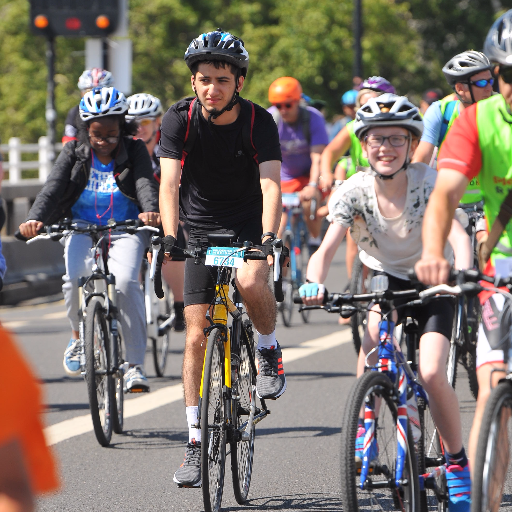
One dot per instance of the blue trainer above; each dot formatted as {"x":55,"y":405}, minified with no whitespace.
{"x":458,"y":481}
{"x":71,"y":360}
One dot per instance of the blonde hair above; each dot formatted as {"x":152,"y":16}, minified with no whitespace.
{"x":362,"y":92}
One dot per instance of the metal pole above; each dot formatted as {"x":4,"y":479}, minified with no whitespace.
{"x":358,"y":34}
{"x":106,"y":63}
{"x":51,"y":114}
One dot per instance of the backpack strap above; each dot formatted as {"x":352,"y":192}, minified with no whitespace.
{"x":305,"y":120}
{"x":191,"y":133}
{"x":448,"y":112}
{"x":247,"y":130}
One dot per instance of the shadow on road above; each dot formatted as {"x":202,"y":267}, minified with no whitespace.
{"x":316,"y":375}
{"x":313,"y":431}
{"x":311,"y":502}
{"x":66,"y":407}
{"x":152,"y":439}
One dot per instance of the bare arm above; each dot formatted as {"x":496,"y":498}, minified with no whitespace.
{"x":461,"y":245}
{"x":332,"y":152}
{"x":423,"y":153}
{"x":433,"y":269}
{"x":15,"y":490}
{"x":170,"y":195}
{"x":270,"y":180}
{"x":314,"y":173}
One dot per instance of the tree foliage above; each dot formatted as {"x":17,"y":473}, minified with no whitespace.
{"x":405,"y":41}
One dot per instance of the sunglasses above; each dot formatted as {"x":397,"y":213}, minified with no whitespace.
{"x":483,"y":83}
{"x":144,"y":122}
{"x":108,"y":140}
{"x":506,"y":74}
{"x":279,"y":106}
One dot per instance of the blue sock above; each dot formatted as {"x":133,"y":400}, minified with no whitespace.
{"x":457,"y":459}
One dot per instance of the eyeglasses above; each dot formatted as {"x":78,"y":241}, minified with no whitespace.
{"x":483,"y":83}
{"x":144,"y":122}
{"x":506,"y":74}
{"x":279,"y":106}
{"x":376,"y":141}
{"x":108,"y":140}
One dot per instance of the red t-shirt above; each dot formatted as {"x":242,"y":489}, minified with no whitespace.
{"x":461,"y":149}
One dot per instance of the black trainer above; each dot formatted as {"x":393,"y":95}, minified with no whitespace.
{"x":271,"y":380}
{"x":189,"y":473}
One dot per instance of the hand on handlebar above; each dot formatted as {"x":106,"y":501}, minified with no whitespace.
{"x":150,"y":218}
{"x":432,"y":270}
{"x":31,"y":228}
{"x":312,"y":294}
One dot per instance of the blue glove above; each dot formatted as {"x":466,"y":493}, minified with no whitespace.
{"x":311,"y":289}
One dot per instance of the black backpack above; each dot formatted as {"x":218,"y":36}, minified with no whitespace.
{"x":192,"y":130}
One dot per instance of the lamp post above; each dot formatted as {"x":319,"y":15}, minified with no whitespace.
{"x":358,"y":34}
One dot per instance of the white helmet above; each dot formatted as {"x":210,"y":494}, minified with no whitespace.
{"x":388,"y":110}
{"x":143,"y":105}
{"x":464,"y":65}
{"x":95,"y":77}
{"x":101,"y":102}
{"x":498,"y":44}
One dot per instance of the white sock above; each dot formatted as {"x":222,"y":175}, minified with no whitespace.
{"x":267,"y":340}
{"x":192,"y":416}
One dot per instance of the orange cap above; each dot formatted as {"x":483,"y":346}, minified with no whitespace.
{"x":283,"y":89}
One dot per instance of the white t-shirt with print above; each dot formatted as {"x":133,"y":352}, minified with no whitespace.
{"x":392,"y":245}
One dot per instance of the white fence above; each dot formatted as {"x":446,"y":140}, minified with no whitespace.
{"x":14,"y":163}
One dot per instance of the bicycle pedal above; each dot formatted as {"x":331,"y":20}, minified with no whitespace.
{"x":198,"y":486}
{"x":138,"y":390}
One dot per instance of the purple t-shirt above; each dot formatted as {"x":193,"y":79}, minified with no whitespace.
{"x":294,"y":146}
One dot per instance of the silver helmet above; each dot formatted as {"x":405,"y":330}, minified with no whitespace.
{"x":464,"y":65}
{"x":498,"y":44}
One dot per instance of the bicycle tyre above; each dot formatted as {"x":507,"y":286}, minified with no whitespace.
{"x":242,"y":451}
{"x":286,"y":307}
{"x":473,"y":321}
{"x":371,"y":386}
{"x":213,"y":423}
{"x":118,"y":406}
{"x":492,"y":454}
{"x":163,"y":340}
{"x":454,"y":352}
{"x":302,"y":265}
{"x":97,"y":363}
{"x":430,"y":455}
{"x":358,"y":284}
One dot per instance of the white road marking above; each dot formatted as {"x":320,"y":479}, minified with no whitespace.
{"x":54,"y":316}
{"x":14,"y":324}
{"x":169,"y":394}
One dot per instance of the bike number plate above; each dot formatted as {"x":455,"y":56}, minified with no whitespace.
{"x":224,"y":256}
{"x":290,"y":200}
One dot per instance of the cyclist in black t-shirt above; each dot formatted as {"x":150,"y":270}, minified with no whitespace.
{"x":89,"y":79}
{"x":225,"y":185}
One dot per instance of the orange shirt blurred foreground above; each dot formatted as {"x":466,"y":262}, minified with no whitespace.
{"x":21,"y":426}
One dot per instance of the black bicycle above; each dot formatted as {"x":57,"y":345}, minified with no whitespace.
{"x":101,"y":354}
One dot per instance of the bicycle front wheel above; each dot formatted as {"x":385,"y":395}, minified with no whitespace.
{"x":97,"y":364}
{"x":455,"y":343}
{"x":242,"y":444}
{"x":375,"y":390}
{"x":473,"y":321}
{"x":492,"y":482}
{"x":213,"y":423}
{"x":286,"y":307}
{"x":430,"y":456}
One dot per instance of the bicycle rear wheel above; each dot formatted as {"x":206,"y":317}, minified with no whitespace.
{"x":376,"y":390}
{"x":473,"y":321}
{"x":118,"y":406}
{"x":242,"y":449}
{"x":161,"y":343}
{"x":286,"y":307}
{"x":302,"y":267}
{"x":430,"y":456}
{"x":492,"y":482}
{"x":213,"y":423}
{"x":456,"y":341}
{"x":360,"y":283}
{"x":97,"y":363}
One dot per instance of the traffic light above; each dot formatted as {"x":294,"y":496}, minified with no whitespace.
{"x":78,"y":18}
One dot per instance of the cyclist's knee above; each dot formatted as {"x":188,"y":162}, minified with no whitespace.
{"x":253,"y":278}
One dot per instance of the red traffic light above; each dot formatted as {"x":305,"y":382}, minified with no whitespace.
{"x":73,"y":23}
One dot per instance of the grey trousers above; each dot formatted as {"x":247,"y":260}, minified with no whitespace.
{"x":124,"y":261}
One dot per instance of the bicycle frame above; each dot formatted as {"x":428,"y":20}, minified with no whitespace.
{"x":295,"y":228}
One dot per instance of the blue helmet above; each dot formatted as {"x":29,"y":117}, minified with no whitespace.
{"x":101,"y":102}
{"x":349,"y":98}
{"x":218,"y":45}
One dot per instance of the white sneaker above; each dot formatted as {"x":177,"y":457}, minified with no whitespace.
{"x":135,"y":381}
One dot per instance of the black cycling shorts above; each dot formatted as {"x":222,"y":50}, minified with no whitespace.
{"x":434,"y":316}
{"x":200,"y":279}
